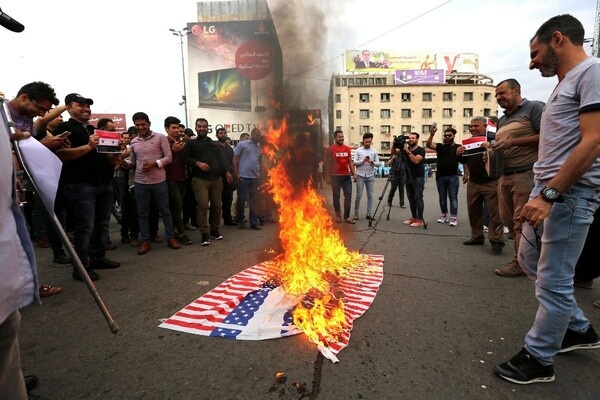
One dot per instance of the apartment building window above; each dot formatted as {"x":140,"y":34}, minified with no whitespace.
{"x":380,"y":81}
{"x":363,"y":97}
{"x":405,"y":96}
{"x":386,"y":129}
{"x":364,"y":114}
{"x":337,"y":82}
{"x":357,"y":82}
{"x":427,"y":113}
{"x":350,"y":81}
{"x":338,"y":127}
{"x":425,"y":129}
{"x":447,"y":96}
{"x":371,"y":81}
{"x":487,"y":97}
{"x":468,"y":96}
{"x":385,"y":97}
{"x":466,"y":128}
{"x":385,"y":145}
{"x":487,"y":112}
{"x":364,"y":129}
{"x":338,"y":98}
{"x":447,"y":112}
{"x":468,"y":112}
{"x":427,"y":96}
{"x":386,"y":113}
{"x":338,"y":114}
{"x":405,"y":129}
{"x":444,"y":127}
{"x":405,"y":113}
{"x":344,"y":82}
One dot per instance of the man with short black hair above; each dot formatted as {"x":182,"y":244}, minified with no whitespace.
{"x":366,"y":159}
{"x":150,"y":153}
{"x":246,"y":164}
{"x":228,"y":187}
{"x":446,"y":174}
{"x":562,"y":204}
{"x":87,"y":181}
{"x":340,"y":171}
{"x":415,"y":182}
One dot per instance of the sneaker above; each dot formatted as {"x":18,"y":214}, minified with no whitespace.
{"x":256,"y":227}
{"x":61,"y":258}
{"x":409,"y":221}
{"x":104,"y":263}
{"x":485,"y":228}
{"x":369,"y":217}
{"x":580,"y":341}
{"x":442,"y":219}
{"x":497,"y":248}
{"x":216,"y":235}
{"x":505,"y":230}
{"x":205,"y":239}
{"x":474,"y":242}
{"x":453,"y":221}
{"x":418,"y":223}
{"x":525,"y":369}
{"x":402,"y":205}
{"x":189,"y":227}
{"x":510,"y":270}
{"x":243,"y":225}
{"x":184,"y":239}
{"x":355,"y":215}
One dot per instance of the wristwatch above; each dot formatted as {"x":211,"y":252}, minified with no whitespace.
{"x":552,"y":195}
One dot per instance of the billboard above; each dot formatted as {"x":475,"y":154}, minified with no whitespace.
{"x":389,"y":61}
{"x":379,"y":61}
{"x":420,"y":77}
{"x":235,"y":73}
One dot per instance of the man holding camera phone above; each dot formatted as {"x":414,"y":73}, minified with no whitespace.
{"x":365,"y":160}
{"x":415,"y":181}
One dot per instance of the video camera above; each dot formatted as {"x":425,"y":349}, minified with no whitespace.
{"x":399,"y":141}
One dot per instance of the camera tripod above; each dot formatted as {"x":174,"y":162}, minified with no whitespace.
{"x":395,"y":175}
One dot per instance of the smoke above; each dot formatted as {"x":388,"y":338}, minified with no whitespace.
{"x":310,"y":33}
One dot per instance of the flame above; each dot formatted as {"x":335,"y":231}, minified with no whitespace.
{"x":314,"y":257}
{"x":311,"y":121}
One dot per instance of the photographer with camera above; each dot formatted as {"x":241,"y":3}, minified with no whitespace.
{"x":446,"y":176}
{"x":398,"y":173}
{"x":415,"y":182}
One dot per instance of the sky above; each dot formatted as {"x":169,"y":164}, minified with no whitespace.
{"x":123,"y":56}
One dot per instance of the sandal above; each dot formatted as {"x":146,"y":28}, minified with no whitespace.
{"x":49,"y":290}
{"x":350,"y":221}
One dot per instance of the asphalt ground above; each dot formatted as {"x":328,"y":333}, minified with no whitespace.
{"x":440,"y":322}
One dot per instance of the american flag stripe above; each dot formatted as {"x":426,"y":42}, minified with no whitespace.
{"x":246,"y":307}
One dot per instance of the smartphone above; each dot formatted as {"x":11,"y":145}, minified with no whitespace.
{"x":65,"y":134}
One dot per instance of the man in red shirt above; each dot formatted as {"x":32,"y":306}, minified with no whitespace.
{"x":340,"y":165}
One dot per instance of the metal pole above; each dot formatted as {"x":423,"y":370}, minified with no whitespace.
{"x":183,"y":75}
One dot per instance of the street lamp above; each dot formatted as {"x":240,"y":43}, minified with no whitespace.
{"x":181,"y":33}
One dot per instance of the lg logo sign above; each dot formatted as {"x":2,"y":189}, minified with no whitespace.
{"x":204,"y":30}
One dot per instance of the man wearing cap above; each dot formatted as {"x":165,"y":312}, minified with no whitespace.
{"x":87,"y":180}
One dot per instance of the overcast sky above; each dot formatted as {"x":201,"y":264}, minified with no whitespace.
{"x":121,"y":53}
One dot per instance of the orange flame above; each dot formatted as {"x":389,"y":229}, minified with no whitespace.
{"x":311,"y":121}
{"x":314,"y":256}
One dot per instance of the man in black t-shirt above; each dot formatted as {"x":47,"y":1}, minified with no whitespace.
{"x":446,"y":177}
{"x":87,"y":181}
{"x":415,"y":180}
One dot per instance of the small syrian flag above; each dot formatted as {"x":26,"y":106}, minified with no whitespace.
{"x":109,"y":142}
{"x":490,"y":130}
{"x":473,"y":145}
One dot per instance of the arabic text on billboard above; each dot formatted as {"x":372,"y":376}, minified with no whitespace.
{"x":389,"y":61}
{"x":420,"y":77}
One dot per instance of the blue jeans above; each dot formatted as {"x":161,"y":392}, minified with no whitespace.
{"x":552,"y":268}
{"x":160,"y":192}
{"x":414,"y":192}
{"x":343,"y":182}
{"x":361,"y":182}
{"x":92,"y":204}
{"x":248,"y":191}
{"x":447,"y":187}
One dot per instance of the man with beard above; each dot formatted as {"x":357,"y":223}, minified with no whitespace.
{"x":517,"y":138}
{"x":339,"y":169}
{"x":415,"y":182}
{"x":208,"y":165}
{"x":366,"y":159}
{"x":563,"y":201}
{"x":446,"y":176}
{"x":87,"y":181}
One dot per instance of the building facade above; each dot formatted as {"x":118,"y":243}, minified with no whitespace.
{"x":367,"y":102}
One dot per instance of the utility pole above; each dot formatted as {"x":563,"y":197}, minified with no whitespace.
{"x":181,"y":33}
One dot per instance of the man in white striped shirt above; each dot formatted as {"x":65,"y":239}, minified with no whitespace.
{"x":366,"y":160}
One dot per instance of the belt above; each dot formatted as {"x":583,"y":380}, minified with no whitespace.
{"x":518,"y":171}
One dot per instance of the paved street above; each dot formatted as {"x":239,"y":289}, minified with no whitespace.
{"x":440,"y":322}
